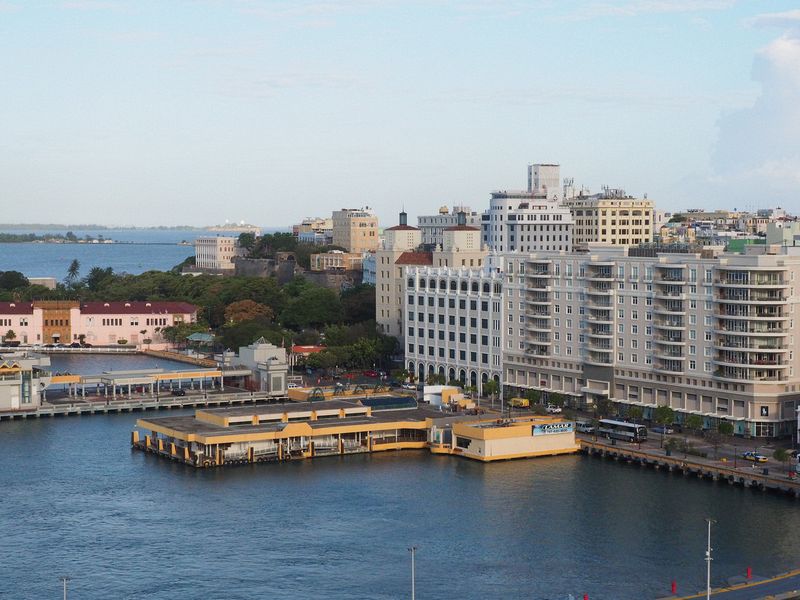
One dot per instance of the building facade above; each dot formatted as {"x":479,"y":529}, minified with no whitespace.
{"x":612,"y":218}
{"x":369,"y":268}
{"x":433,"y":226}
{"x":215,"y":253}
{"x":97,"y":323}
{"x":706,"y":333}
{"x":526,"y":222}
{"x":23,"y":378}
{"x":336,"y":260}
{"x":453,"y":318}
{"x":355,"y":229}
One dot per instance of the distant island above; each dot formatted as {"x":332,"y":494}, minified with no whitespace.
{"x":52,"y":238}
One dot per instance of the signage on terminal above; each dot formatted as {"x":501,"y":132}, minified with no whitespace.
{"x":550,"y":428}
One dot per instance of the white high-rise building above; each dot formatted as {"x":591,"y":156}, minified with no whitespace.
{"x":544,"y":179}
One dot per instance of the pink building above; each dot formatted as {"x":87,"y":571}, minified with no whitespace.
{"x":99,"y":323}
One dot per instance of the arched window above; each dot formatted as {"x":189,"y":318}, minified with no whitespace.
{"x":463,"y":286}
{"x":485,"y":288}
{"x":474,"y":286}
{"x":453,"y":286}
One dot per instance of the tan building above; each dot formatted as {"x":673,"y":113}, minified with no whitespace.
{"x":336,"y":260}
{"x":611,"y":218}
{"x":356,"y":229}
{"x":399,"y":250}
{"x":462,"y":248}
{"x":707,"y":333}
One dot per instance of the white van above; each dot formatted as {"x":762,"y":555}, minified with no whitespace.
{"x":584,"y":427}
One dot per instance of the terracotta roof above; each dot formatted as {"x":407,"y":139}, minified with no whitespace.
{"x":16,"y":308}
{"x":137,"y":308}
{"x":462,"y":228}
{"x":415,"y":258}
{"x":307,"y":349}
{"x":402,"y":228}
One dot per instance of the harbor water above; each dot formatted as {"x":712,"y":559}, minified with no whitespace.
{"x":77,"y":501}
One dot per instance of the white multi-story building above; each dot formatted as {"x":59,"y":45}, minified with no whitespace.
{"x":453,"y":319}
{"x":433,"y":226}
{"x":215,"y":253}
{"x":526,"y":222}
{"x":705,"y":333}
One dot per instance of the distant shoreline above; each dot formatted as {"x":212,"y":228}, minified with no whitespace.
{"x":95,"y":227}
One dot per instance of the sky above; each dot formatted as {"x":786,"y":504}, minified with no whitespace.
{"x":195,"y":112}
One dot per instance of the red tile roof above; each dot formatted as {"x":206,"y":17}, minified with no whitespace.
{"x":462,"y":228}
{"x":137,"y":308}
{"x":415,"y":258}
{"x":307,"y":349}
{"x":16,"y":308}
{"x":402,"y":228}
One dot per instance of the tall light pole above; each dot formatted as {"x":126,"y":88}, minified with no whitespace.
{"x":413,"y":551}
{"x":64,"y":579}
{"x":708,"y":560}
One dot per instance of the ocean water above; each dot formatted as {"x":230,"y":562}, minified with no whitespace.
{"x":77,"y":501}
{"x":139,"y":250}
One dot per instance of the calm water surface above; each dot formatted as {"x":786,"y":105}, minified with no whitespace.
{"x":76,"y":500}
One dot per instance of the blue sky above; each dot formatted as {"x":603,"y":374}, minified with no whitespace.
{"x":173,"y":112}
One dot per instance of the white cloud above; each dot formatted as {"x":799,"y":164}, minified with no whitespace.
{"x":757,"y":154}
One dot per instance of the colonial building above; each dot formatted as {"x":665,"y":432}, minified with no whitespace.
{"x":97,"y":323}
{"x":215,"y":253}
{"x":336,"y":260}
{"x":433,"y":226}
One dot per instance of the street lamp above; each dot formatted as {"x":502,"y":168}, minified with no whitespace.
{"x":735,"y":455}
{"x":413,"y":550}
{"x":708,"y":560}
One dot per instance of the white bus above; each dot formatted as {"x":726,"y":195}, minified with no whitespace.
{"x":620,"y":430}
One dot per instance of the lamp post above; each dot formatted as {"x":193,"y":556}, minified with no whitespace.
{"x":735,"y":456}
{"x":708,"y":560}
{"x":413,"y":550}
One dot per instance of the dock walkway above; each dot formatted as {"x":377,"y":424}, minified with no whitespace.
{"x":166,"y":402}
{"x":688,"y":466}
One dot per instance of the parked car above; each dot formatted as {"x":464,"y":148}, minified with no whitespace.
{"x":584,"y":427}
{"x":754,"y":456}
{"x":178,"y":392}
{"x":75,"y":345}
{"x":370,"y":373}
{"x":553,"y":409}
{"x":663,"y":429}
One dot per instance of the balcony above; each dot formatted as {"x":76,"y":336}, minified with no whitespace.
{"x":670,"y":340}
{"x":665,"y":355}
{"x":733,"y":373}
{"x":668,"y":366}
{"x":743,"y":328}
{"x":668,"y":323}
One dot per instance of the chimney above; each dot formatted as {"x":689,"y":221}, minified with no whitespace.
{"x":403,"y":218}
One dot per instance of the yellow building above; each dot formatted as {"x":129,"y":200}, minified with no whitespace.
{"x":336,"y":260}
{"x":356,"y":229}
{"x":611,"y":218}
{"x":335,"y":427}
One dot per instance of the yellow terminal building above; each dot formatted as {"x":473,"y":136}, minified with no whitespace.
{"x":299,"y":430}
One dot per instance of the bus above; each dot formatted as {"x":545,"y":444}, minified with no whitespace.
{"x":620,"y":430}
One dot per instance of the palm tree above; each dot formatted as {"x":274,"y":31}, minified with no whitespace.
{"x":73,"y":271}
{"x":491,"y":388}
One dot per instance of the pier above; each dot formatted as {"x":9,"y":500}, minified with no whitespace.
{"x":165,"y":402}
{"x":692,"y":467}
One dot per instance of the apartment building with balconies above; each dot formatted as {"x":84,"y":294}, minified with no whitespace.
{"x":704,"y":332}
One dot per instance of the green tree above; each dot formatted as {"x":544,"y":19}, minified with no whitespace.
{"x":73,"y":271}
{"x":358,"y":303}
{"x":312,"y":306}
{"x":694,"y":423}
{"x":635,"y":413}
{"x":725,"y":428}
{"x":12,"y":280}
{"x":664,"y":416}
{"x":247,"y":240}
{"x":556,"y":399}
{"x":533,"y":396}
{"x":10,"y":335}
{"x":782,"y":456}
{"x":604,"y":408}
{"x":435,"y":379}
{"x":491,"y":388}
{"x":97,"y":277}
{"x":247,"y":310}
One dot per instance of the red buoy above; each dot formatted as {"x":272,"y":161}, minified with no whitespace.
{"x":674,"y":587}
{"x":749,"y":572}
{"x":586,"y":597}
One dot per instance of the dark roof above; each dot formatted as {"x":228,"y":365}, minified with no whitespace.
{"x":137,"y":308}
{"x":402,"y":228}
{"x":16,"y":308}
{"x":462,"y":228}
{"x":415,"y":258}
